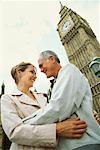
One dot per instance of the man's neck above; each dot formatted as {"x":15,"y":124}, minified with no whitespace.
{"x":57,"y":69}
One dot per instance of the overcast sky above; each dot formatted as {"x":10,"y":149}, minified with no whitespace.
{"x":29,"y":27}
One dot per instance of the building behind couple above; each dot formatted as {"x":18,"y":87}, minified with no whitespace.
{"x":81,"y":46}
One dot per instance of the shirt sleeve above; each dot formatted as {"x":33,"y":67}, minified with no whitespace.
{"x":67,"y":93}
{"x":25,"y":134}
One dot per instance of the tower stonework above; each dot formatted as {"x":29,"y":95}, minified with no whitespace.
{"x":81,"y":47}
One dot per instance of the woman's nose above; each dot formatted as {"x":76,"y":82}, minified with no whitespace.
{"x":35,"y":77}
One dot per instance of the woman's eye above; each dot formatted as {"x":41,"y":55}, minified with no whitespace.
{"x":31,"y":71}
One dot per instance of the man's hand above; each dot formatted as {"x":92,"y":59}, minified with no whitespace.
{"x":71,"y":128}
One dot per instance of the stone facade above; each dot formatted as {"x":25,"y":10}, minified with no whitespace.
{"x":81,"y":47}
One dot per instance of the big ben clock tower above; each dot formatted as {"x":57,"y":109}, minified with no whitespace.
{"x":81,"y":47}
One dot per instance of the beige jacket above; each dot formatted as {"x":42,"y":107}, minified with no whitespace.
{"x":15,"y":107}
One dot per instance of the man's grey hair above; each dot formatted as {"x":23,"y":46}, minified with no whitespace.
{"x":46,"y":54}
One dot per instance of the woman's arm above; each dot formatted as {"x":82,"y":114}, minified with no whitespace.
{"x":25,"y":134}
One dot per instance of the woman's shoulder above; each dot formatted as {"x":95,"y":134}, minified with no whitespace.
{"x":6,"y":98}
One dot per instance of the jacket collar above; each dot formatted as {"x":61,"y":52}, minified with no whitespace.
{"x":16,"y":92}
{"x":23,"y":98}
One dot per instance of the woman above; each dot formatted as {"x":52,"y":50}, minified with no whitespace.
{"x":22,"y":103}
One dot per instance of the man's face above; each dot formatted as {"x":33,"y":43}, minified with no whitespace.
{"x":47,"y":66}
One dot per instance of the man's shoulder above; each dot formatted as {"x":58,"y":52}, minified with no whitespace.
{"x":71,"y":69}
{"x":68,"y":66}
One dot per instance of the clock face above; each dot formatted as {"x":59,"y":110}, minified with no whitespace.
{"x":68,"y":24}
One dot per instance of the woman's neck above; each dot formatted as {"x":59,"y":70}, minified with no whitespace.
{"x":23,"y":88}
{"x":26,"y":91}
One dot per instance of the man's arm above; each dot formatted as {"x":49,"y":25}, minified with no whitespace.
{"x":71,"y":128}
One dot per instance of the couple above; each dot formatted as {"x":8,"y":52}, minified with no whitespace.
{"x":32,"y":124}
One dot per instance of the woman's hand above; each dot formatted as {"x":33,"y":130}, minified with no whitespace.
{"x":71,"y":128}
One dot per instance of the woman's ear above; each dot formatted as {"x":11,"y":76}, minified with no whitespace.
{"x":19,"y":73}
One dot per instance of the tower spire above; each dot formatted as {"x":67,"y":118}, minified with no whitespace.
{"x":61,"y":4}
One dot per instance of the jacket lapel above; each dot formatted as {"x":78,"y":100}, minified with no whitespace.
{"x":23,"y":98}
{"x":41,"y":99}
{"x":27,"y":100}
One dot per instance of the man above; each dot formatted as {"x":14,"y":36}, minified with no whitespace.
{"x":71,"y":97}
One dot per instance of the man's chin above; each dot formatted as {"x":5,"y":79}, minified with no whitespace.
{"x":48,"y":76}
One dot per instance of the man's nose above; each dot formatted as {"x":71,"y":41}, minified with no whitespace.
{"x":42,"y":69}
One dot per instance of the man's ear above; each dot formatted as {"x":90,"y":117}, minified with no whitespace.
{"x":52,"y":58}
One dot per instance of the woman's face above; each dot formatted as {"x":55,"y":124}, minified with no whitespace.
{"x":28,"y":76}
